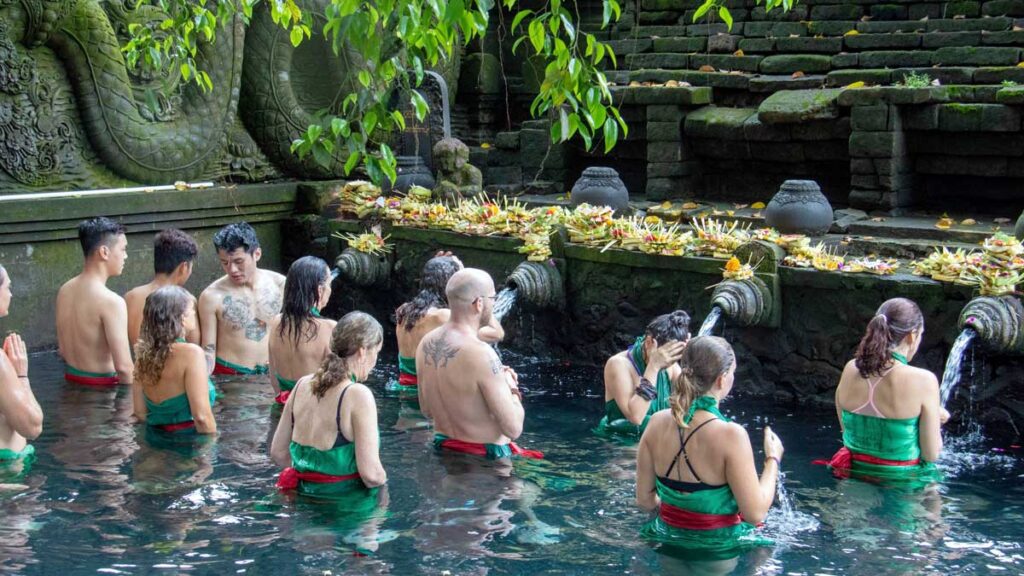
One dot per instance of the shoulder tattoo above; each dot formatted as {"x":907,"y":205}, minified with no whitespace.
{"x":439,"y":351}
{"x":496,"y":365}
{"x":237,"y":312}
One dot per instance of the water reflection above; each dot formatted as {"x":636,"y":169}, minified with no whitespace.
{"x":105,"y":494}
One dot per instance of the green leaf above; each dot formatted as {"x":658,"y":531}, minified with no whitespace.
{"x":537,"y":35}
{"x":420,"y":105}
{"x":352,"y":162}
{"x":569,"y":28}
{"x":726,"y":16}
{"x":611,"y":134}
{"x":186,"y":72}
{"x":519,"y":18}
{"x":707,"y":5}
{"x":295,"y":36}
{"x":322,"y":157}
{"x":364,"y":78}
{"x":337,"y":126}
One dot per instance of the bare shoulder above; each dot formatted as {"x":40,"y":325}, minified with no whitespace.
{"x":439,"y":315}
{"x":729,"y":432}
{"x":110,"y":298}
{"x":189,"y":351}
{"x":135,"y":293}
{"x":214,"y":289}
{"x":275,"y":277}
{"x":616,"y":363}
{"x":925,"y":379}
{"x":361,"y":394}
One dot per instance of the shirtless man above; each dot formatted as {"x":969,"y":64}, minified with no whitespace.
{"x":426,"y":311}
{"x":21,"y":418}
{"x":92,"y":321}
{"x":474,"y":401}
{"x":236,"y":309}
{"x":174,"y":253}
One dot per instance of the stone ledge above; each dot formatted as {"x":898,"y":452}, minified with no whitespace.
{"x":795,"y":106}
{"x":662,"y":95}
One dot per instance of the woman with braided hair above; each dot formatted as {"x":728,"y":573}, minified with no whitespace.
{"x":636,"y":380}
{"x":889,"y":412}
{"x":172,"y":390}
{"x":696,"y":468}
{"x":426,"y":311}
{"x":327,"y":440}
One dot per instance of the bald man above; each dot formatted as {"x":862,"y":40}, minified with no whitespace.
{"x":473,"y":399}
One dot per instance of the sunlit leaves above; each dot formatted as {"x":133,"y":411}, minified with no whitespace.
{"x":718,"y":7}
{"x":387,"y":46}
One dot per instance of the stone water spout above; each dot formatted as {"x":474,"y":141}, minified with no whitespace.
{"x":362,"y":269}
{"x":998,"y":321}
{"x":752,"y":301}
{"x":747,"y":302}
{"x":539,"y":283}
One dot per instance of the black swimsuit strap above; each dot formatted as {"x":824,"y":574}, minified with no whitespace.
{"x":682,"y":451}
{"x":337,"y":415}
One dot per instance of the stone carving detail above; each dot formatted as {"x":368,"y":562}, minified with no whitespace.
{"x":799,"y":207}
{"x":456,"y":177}
{"x":34,"y":140}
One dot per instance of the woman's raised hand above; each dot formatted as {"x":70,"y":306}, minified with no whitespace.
{"x":14,"y":347}
{"x":664,"y":355}
{"x":772,"y":445}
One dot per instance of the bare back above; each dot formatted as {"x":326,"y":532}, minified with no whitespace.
{"x":91,"y":325}
{"x":408,"y":340}
{"x":463,"y":387}
{"x":135,"y":300}
{"x":235,"y":319}
{"x":292,"y":358}
{"x":900,"y":393}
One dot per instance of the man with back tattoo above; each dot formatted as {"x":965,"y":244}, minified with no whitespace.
{"x":473,"y":399}
{"x":235,"y":310}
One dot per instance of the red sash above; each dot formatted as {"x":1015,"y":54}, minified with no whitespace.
{"x":478,"y":449}
{"x":843,"y":460}
{"x":688,"y":520}
{"x":175,"y":427}
{"x":222,"y":370}
{"x":290,"y":478}
{"x":92,"y":380}
{"x":407,"y":379}
{"x":282,"y":397}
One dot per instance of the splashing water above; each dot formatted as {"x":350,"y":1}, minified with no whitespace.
{"x":504,"y":302}
{"x":710,"y":321}
{"x":784,"y":519}
{"x":951,"y":375}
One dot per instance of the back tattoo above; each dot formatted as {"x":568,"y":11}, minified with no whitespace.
{"x":439,"y":351}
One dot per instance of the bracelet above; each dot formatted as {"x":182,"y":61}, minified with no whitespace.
{"x":778,"y":462}
{"x":646,"y":390}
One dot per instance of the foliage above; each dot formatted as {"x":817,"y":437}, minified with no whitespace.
{"x":396,"y":42}
{"x":915,"y":80}
{"x":1008,"y":83}
{"x":717,"y":7}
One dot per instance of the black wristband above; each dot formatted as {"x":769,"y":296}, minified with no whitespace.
{"x":646,"y":390}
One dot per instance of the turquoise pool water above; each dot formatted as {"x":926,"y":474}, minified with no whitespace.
{"x":105,"y":498}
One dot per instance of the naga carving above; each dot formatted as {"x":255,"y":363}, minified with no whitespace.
{"x":72,"y":114}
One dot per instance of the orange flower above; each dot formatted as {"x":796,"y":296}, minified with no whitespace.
{"x":733,"y":265}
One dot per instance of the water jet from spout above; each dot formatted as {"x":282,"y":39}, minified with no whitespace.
{"x":951,"y":375}
{"x":710,"y":322}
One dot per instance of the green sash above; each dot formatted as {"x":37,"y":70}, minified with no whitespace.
{"x":895,"y":439}
{"x":285,"y":383}
{"x":173,"y":410}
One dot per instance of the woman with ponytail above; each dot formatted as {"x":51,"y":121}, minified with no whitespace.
{"x":696,"y":468}
{"x":327,"y":440}
{"x":172,"y":390}
{"x":299,"y":337}
{"x":426,"y":311}
{"x":889,"y":412}
{"x":637,"y":380}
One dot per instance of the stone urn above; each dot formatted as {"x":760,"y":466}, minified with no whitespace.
{"x":601,"y":186}
{"x":412,"y":171}
{"x":799,"y":207}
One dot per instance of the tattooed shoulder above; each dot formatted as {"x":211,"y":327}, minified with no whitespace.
{"x":439,"y":351}
{"x":496,"y":365}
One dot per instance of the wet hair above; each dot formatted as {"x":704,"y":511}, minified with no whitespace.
{"x":161,"y":326}
{"x":301,"y":293}
{"x":96,"y":232}
{"x":704,"y":359}
{"x":894,"y":319}
{"x":355,"y":330}
{"x":171,"y":248}
{"x":436,"y":273}
{"x":671,"y":326}
{"x":235,"y":236}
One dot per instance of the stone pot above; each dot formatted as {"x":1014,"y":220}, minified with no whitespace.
{"x":411,"y":172}
{"x":799,"y":207}
{"x":601,"y":186}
